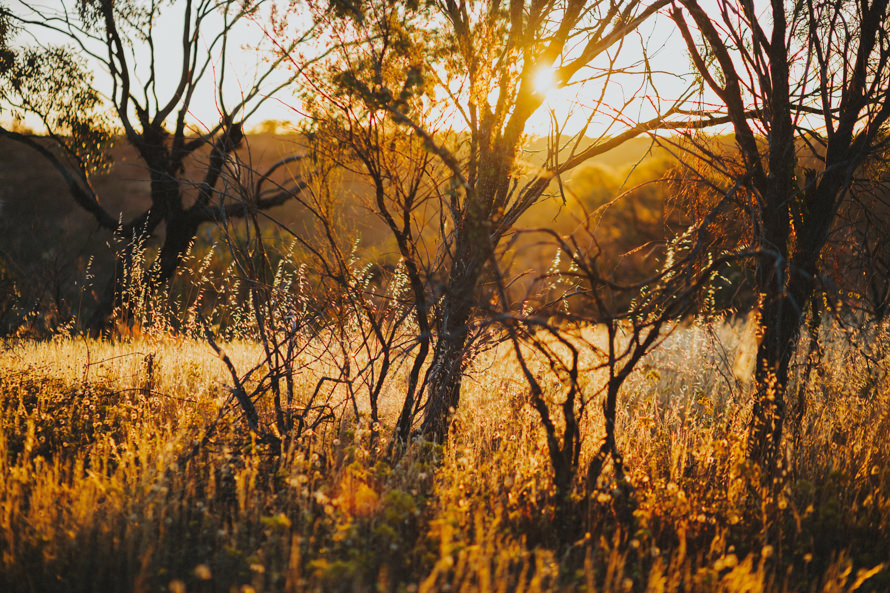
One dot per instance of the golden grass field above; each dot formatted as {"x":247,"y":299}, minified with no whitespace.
{"x":95,"y":496}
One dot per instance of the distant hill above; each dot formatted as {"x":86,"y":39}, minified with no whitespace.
{"x":621,"y":158}
{"x":47,"y":243}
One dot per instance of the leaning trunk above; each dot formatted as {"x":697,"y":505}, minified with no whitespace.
{"x":781,"y":312}
{"x":474,"y":245}
{"x":446,"y":372}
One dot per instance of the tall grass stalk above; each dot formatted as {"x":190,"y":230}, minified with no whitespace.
{"x":95,"y":495}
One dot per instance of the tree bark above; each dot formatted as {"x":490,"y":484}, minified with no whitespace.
{"x":181,"y":231}
{"x":449,"y":356}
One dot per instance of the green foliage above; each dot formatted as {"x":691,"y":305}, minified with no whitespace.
{"x":7,"y":55}
{"x":56,"y":85}
{"x":393,"y":69}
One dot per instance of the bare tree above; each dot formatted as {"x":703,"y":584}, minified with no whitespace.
{"x":432,"y":103}
{"x":808,"y":77}
{"x":114,"y":56}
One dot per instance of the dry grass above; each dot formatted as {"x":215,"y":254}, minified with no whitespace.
{"x":93,"y":496}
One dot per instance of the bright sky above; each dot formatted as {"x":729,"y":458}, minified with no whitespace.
{"x":638,"y":98}
{"x":244,"y":61}
{"x":567,"y":106}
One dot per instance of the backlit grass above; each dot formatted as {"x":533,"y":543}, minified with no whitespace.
{"x":97,"y":492}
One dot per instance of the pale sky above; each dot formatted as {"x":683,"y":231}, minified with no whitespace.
{"x":666,"y":51}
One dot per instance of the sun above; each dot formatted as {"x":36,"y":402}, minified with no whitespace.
{"x":544,"y":80}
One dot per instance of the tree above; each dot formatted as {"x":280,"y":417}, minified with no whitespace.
{"x":6,"y":54}
{"x":114,"y":58}
{"x":431,"y":102}
{"x":802,"y":79}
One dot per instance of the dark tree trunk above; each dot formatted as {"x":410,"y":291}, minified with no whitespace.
{"x":180,"y":232}
{"x":449,"y":356}
{"x":779,"y":322}
{"x":786,"y":282}
{"x":780,"y":326}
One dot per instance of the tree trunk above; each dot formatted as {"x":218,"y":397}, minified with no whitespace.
{"x":180,"y":232}
{"x":786,"y":291}
{"x":449,"y":356}
{"x":780,"y":327}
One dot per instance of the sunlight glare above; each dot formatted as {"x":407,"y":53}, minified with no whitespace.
{"x":544,"y":81}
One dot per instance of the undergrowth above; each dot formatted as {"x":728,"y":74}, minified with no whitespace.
{"x":101,"y":490}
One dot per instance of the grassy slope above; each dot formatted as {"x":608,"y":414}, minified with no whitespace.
{"x":92,"y":497}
